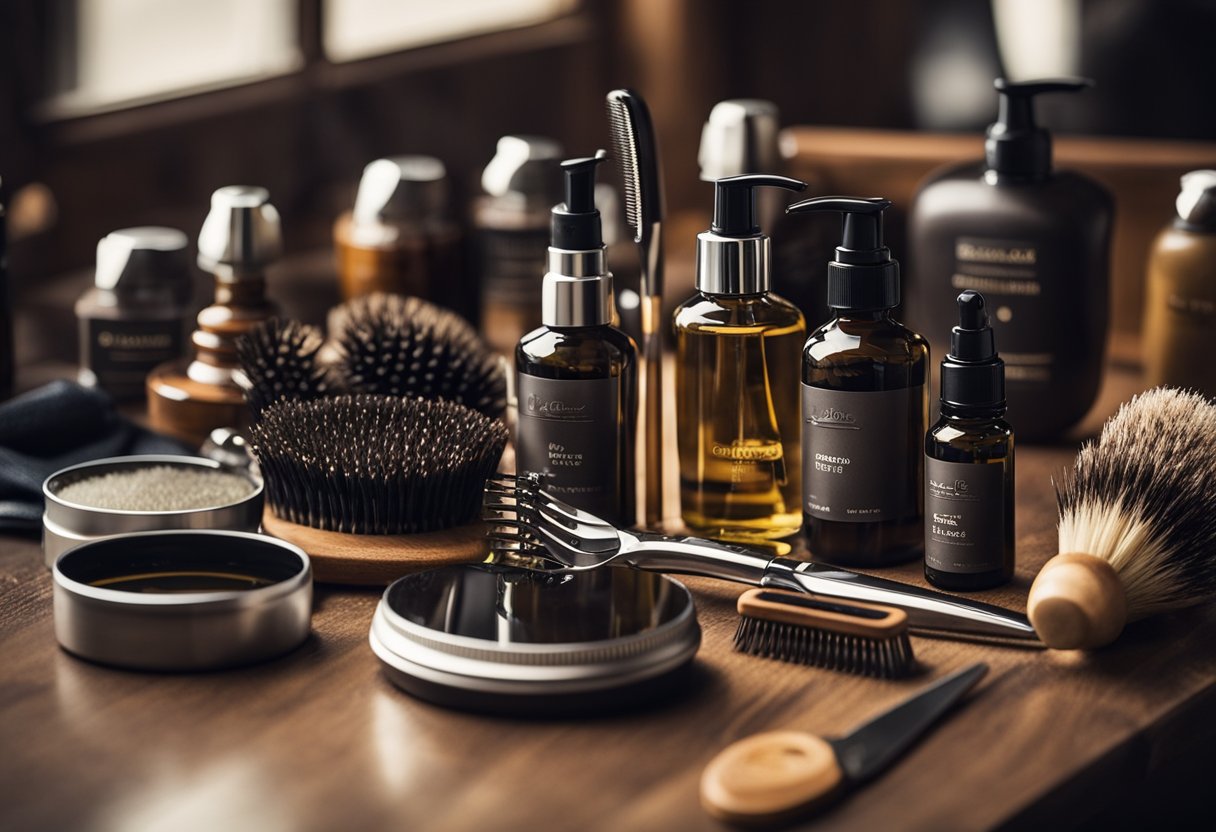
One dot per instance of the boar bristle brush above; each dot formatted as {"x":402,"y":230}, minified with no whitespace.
{"x":405,"y":346}
{"x":1137,"y":532}
{"x":279,"y":360}
{"x":373,"y":487}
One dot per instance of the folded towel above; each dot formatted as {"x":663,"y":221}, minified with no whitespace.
{"x":53,"y":427}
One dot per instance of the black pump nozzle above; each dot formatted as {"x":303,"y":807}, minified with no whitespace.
{"x":973,"y":375}
{"x":575,"y":224}
{"x":863,"y":275}
{"x":1016,"y":145}
{"x":735,"y":202}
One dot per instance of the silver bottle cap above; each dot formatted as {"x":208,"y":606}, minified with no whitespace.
{"x":145,"y":262}
{"x":733,"y":265}
{"x":1196,"y":201}
{"x":241,"y":232}
{"x":739,"y":137}
{"x":577,"y":290}
{"x":402,"y":189}
{"x":525,"y":167}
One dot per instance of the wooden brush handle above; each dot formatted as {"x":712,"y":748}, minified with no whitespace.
{"x":378,"y":559}
{"x":771,"y":778}
{"x":1077,"y":602}
{"x":850,"y":617}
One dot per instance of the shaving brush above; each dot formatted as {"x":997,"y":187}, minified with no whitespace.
{"x":404,"y":346}
{"x":1137,"y":523}
{"x":279,"y":361}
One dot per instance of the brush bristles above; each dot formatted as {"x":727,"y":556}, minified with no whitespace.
{"x":398,"y":346}
{"x":624,"y":147}
{"x":1143,"y":498}
{"x":279,"y":359}
{"x":376,"y":464}
{"x":885,"y":658}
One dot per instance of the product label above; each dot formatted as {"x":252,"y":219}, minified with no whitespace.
{"x":964,"y":516}
{"x":858,"y":463}
{"x":1008,"y":274}
{"x":120,"y":354}
{"x":569,"y":431}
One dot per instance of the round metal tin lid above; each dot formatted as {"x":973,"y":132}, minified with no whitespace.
{"x":182,"y":600}
{"x":497,"y":630}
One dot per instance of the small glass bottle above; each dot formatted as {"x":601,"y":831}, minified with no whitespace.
{"x":969,"y":483}
{"x":576,"y":375}
{"x":865,"y":404}
{"x":737,"y":353}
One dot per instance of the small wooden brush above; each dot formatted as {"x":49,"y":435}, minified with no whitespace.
{"x":1137,"y":531}
{"x":849,"y":636}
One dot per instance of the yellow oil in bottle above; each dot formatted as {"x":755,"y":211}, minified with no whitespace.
{"x":737,"y":413}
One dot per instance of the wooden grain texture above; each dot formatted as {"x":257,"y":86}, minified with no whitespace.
{"x":320,"y":740}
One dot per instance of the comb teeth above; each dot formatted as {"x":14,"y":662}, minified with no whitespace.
{"x":624,"y":143}
{"x":865,"y":639}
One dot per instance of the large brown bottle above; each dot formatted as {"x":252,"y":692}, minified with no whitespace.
{"x":1180,"y":313}
{"x":1036,"y":242}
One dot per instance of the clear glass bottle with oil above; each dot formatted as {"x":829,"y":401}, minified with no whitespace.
{"x":865,"y":404}
{"x":737,"y":356}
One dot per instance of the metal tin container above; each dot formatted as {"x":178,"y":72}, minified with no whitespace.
{"x":66,"y":524}
{"x":503,"y":640}
{"x":182,"y":600}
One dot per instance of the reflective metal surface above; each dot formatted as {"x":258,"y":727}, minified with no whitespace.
{"x":577,"y":290}
{"x":241,"y":232}
{"x":170,"y":600}
{"x":731,"y":265}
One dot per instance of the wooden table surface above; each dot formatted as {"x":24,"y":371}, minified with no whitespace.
{"x":320,"y":740}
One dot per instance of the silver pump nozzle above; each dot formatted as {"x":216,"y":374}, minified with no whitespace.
{"x":402,"y":188}
{"x":148,"y":261}
{"x":241,"y":232}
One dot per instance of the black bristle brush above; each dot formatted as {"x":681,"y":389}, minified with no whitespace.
{"x":374,"y":486}
{"x":279,"y":360}
{"x":1137,"y":533}
{"x":848,"y":636}
{"x":404,"y":346}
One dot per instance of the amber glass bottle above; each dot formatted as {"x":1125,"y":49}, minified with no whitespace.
{"x":865,"y":405}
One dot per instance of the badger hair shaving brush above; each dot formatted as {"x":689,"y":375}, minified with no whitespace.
{"x":1137,"y":523}
{"x":239,"y":239}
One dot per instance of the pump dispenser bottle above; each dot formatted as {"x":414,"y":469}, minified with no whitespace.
{"x":576,"y":375}
{"x":969,"y":462}
{"x":737,"y":349}
{"x":865,"y":404}
{"x":1036,"y":243}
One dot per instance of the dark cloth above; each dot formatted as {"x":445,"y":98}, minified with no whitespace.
{"x":53,"y":427}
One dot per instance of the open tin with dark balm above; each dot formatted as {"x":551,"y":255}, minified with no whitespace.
{"x":505,"y":640}
{"x":182,"y":600}
{"x":127,"y":494}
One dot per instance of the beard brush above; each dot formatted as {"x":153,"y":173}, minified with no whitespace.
{"x":636,"y":151}
{"x":394,"y":345}
{"x":279,"y":360}
{"x":1137,"y":531}
{"x":847,"y":636}
{"x":374,"y":487}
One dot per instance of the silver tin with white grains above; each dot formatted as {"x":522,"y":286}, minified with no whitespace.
{"x":182,"y":600}
{"x":66,"y":524}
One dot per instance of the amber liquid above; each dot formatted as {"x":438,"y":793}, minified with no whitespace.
{"x":738,"y":429}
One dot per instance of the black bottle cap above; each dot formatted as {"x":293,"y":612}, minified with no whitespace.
{"x":1016,"y":145}
{"x":575,"y":223}
{"x":973,"y":375}
{"x":863,"y":275}
{"x":735,"y":202}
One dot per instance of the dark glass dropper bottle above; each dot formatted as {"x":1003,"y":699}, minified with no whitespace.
{"x":577,"y":374}
{"x":969,"y":497}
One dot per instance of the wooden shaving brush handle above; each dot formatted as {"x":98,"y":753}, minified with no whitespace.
{"x":1077,"y":602}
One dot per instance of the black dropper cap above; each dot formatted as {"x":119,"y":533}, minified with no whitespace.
{"x":575,"y":223}
{"x":1016,"y":145}
{"x":863,"y":275}
{"x":973,"y":375}
{"x":735,"y":202}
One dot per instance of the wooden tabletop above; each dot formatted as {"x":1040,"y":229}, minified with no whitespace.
{"x":321,"y":740}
